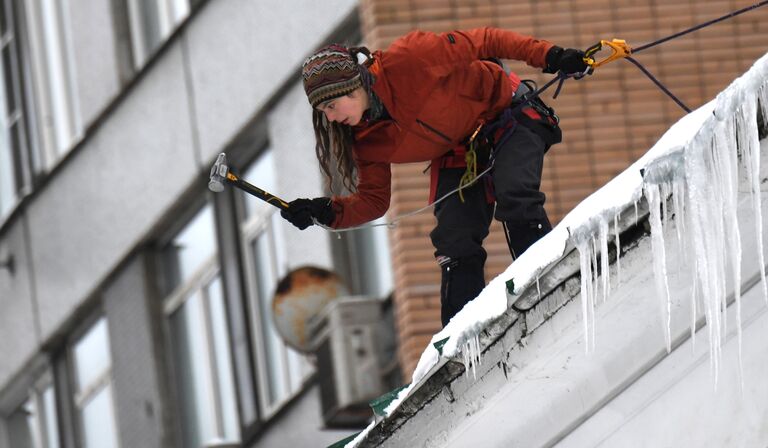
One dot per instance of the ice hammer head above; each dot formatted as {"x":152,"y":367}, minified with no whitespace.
{"x":218,"y":174}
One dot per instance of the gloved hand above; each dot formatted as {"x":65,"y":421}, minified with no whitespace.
{"x":301,"y":211}
{"x":567,"y":60}
{"x":322,"y":211}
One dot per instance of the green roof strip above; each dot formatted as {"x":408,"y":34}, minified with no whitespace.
{"x":439,"y":345}
{"x":380,"y":404}
{"x":511,"y":286}
{"x":343,"y":442}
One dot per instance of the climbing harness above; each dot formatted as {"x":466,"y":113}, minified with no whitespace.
{"x":619,"y":48}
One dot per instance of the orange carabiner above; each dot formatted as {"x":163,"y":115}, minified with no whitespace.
{"x":620,"y":50}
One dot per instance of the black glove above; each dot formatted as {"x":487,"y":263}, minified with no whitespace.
{"x":322,"y":211}
{"x":298,"y":213}
{"x":301,"y":211}
{"x":567,"y":60}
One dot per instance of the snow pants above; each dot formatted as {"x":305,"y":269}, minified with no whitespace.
{"x":462,"y":226}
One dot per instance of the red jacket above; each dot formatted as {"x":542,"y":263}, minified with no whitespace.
{"x":437,"y":90}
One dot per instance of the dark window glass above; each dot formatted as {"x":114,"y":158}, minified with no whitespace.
{"x":10,"y":97}
{"x":3,"y":21}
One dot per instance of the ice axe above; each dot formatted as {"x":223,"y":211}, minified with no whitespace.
{"x":221,"y":174}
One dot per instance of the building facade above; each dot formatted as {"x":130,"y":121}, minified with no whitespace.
{"x":134,"y":302}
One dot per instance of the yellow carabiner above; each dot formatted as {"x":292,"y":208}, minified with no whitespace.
{"x":620,"y":50}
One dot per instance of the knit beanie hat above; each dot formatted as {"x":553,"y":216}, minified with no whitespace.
{"x":330,"y":73}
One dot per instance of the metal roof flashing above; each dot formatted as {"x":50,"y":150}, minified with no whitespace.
{"x":559,"y":283}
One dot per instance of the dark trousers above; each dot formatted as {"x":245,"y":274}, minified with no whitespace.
{"x":462,"y":226}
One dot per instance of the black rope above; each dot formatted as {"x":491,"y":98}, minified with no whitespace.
{"x":659,"y":84}
{"x":682,"y":33}
{"x":560,"y":78}
{"x":700,"y":26}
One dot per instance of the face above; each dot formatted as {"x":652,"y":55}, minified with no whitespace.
{"x":347,"y":109}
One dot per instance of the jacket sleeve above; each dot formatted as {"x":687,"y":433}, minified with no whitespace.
{"x":370,"y":201}
{"x":470,"y":45}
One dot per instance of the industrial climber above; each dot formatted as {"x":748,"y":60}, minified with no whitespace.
{"x":443,"y":98}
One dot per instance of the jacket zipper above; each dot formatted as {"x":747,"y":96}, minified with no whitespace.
{"x":435,"y":131}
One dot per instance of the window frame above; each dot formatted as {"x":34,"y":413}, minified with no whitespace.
{"x":21,"y":158}
{"x":79,"y":399}
{"x":41,"y":384}
{"x":198,"y":282}
{"x":54,"y":89}
{"x":263,"y":222}
{"x":168,"y":17}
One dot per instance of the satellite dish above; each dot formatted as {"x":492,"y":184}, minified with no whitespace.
{"x":300,"y":296}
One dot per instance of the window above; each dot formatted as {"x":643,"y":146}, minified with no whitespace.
{"x":13,"y":128}
{"x":151,"y":22}
{"x":53,"y":69}
{"x":92,"y":374}
{"x":34,"y":424}
{"x":200,"y":336}
{"x":281,"y":371}
{"x":367,"y":255}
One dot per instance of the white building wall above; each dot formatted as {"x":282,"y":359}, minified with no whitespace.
{"x":19,"y":324}
{"x":240,"y":51}
{"x":111,"y":193}
{"x":151,"y":148}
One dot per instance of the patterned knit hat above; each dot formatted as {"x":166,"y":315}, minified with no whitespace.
{"x":330,"y":73}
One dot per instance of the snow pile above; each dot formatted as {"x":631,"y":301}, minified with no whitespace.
{"x":697,"y":163}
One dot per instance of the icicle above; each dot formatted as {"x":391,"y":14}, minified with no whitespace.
{"x":678,"y":209}
{"x":727,"y":160}
{"x":587,"y":299}
{"x":659,"y":260}
{"x":664,"y":194}
{"x":471,"y":355}
{"x":693,"y":309}
{"x":746,"y":132}
{"x":706,"y":229}
{"x":538,"y":287}
{"x":595,"y":288}
{"x":636,"y":215}
{"x":617,"y":243}
{"x":595,"y":269}
{"x":604,"y":269}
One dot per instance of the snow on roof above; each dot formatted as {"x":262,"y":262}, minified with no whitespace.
{"x":695,"y":159}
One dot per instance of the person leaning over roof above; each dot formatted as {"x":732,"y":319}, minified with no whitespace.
{"x":421,"y":100}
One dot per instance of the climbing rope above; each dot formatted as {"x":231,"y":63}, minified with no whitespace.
{"x":619,"y":50}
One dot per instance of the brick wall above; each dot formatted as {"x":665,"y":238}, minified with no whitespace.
{"x":609,"y":120}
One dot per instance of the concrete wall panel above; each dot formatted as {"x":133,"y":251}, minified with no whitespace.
{"x":111,"y":193}
{"x":137,"y":348}
{"x":18,"y":323}
{"x":242,"y":50}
